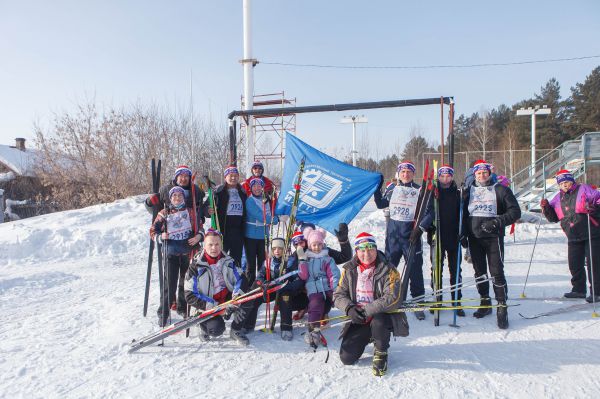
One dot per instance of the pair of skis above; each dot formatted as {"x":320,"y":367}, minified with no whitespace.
{"x":422,"y":201}
{"x":155,"y":170}
{"x":288,"y":235}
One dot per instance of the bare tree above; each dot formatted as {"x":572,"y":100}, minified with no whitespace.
{"x":88,"y":157}
{"x":481,"y":133}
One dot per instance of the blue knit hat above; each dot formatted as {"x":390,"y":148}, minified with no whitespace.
{"x":564,"y":175}
{"x":445,"y":169}
{"x":230,"y":169}
{"x":406,"y":165}
{"x":256,"y":180}
{"x":183,"y":169}
{"x":176,"y":189}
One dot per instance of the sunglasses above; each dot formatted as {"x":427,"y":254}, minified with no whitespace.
{"x":366,"y":245}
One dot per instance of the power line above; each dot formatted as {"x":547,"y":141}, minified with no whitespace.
{"x":431,"y":66}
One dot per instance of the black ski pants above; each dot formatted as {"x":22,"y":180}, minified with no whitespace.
{"x":287,"y":303}
{"x":452,"y":256}
{"x":215,"y":326}
{"x":579,"y":256}
{"x":172,"y":287}
{"x":358,"y":336}
{"x":255,"y":257}
{"x":395,"y":249}
{"x":233,"y":243}
{"x":489,"y":252}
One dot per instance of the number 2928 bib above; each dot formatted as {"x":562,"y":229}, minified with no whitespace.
{"x":403,"y":203}
{"x":482,"y":202}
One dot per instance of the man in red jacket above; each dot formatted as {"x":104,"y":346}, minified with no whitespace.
{"x":257,"y":171}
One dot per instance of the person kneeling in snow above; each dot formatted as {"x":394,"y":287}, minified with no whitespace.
{"x":291,"y":297}
{"x":214,"y":278}
{"x":321,"y":275}
{"x":369,"y":287}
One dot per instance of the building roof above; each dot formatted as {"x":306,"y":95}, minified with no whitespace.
{"x":20,"y":162}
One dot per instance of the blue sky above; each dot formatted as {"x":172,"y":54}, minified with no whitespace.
{"x":55,"y":54}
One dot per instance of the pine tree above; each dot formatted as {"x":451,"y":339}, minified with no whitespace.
{"x":583,"y":107}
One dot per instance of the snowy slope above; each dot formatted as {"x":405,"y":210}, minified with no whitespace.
{"x":72,"y":288}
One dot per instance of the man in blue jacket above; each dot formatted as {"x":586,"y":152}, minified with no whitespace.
{"x":402,"y":202}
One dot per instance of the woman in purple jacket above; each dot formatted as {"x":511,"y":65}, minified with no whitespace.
{"x":572,"y":207}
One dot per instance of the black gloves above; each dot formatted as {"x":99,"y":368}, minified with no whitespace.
{"x":357,"y":314}
{"x":415,"y":235}
{"x":464,"y":241}
{"x":342,"y":233}
{"x":491,"y":226}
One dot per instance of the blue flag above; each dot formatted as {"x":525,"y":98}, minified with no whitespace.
{"x":331,"y":192}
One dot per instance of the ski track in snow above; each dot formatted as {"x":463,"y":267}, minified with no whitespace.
{"x":72,"y":287}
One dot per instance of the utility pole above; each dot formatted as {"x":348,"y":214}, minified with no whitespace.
{"x":354,"y":120}
{"x":248,"y":63}
{"x":533,"y":111}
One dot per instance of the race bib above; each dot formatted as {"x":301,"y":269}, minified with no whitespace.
{"x":403,"y":203}
{"x":234,"y":207}
{"x":482,"y":202}
{"x":179,"y":225}
{"x":218,"y":278}
{"x":364,"y":286}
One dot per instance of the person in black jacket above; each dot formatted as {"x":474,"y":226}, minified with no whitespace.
{"x":230,"y":202}
{"x":182,"y":178}
{"x":291,"y":297}
{"x":449,"y":204}
{"x":488,"y":209}
{"x":577,"y":208}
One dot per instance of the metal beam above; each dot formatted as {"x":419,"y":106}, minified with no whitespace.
{"x":341,"y":107}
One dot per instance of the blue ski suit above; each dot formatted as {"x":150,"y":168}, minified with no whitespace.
{"x":398,"y":232}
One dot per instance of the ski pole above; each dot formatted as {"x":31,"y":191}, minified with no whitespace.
{"x":481,"y":279}
{"x":459,"y":251}
{"x":531,"y":258}
{"x":536,"y":233}
{"x":591,"y":250}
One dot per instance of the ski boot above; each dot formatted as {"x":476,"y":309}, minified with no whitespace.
{"x":203,"y":335}
{"x":591,"y":299}
{"x":420,"y":315}
{"x":483,"y":311}
{"x":287,"y":335}
{"x":313,"y":338}
{"x":459,"y":312}
{"x":379,"y":363}
{"x":239,"y":337}
{"x":574,"y":294}
{"x":502,"y":315}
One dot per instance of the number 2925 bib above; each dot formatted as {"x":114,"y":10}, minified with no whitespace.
{"x":482,"y":202}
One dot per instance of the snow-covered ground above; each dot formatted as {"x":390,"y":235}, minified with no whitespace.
{"x":72,"y":284}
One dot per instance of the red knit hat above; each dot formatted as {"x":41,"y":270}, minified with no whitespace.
{"x":481,"y":165}
{"x":364,"y":238}
{"x":297,"y":237}
{"x":564,"y":175}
